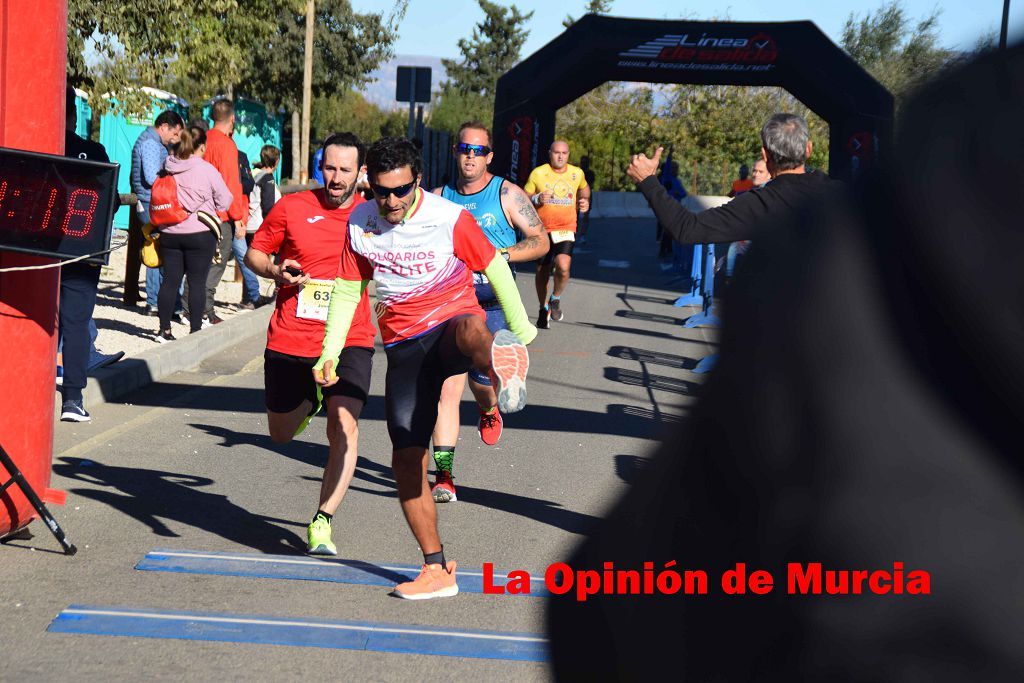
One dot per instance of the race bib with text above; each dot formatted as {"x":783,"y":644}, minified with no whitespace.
{"x":314,"y":300}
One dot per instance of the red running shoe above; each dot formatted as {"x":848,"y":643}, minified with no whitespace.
{"x":444,"y":488}
{"x":489,"y":426}
{"x":510,"y":363}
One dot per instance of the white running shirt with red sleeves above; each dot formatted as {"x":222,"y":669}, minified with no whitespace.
{"x":423,"y":266}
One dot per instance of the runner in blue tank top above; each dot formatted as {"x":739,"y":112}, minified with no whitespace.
{"x":501,"y":208}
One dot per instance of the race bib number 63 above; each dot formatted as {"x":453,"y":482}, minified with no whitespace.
{"x":314,"y":300}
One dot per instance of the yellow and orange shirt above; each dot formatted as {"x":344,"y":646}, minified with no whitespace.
{"x":560,"y":212}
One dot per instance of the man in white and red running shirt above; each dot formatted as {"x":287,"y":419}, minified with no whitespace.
{"x":421,"y":250}
{"x":308,"y":230}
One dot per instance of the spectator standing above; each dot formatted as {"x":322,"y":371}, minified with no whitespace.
{"x":78,"y":283}
{"x":222,"y":154}
{"x":786,"y":146}
{"x":240,"y":244}
{"x":187,"y":248}
{"x":666,"y":247}
{"x":760,"y":177}
{"x":583,"y":217}
{"x":148,"y":157}
{"x":317,"y":174}
{"x":744,"y":184}
{"x":264,"y":196}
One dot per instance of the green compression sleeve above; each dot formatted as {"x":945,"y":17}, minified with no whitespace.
{"x":345,"y":297}
{"x":504,"y":286}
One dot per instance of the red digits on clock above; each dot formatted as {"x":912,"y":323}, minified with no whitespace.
{"x":86,"y":214}
{"x":49,"y":209}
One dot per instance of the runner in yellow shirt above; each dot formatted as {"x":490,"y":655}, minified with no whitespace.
{"x":558,"y":189}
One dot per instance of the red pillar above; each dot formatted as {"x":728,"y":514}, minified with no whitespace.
{"x":33,"y":67}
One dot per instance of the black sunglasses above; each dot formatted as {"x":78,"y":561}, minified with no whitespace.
{"x":478,"y":150}
{"x":400,"y":191}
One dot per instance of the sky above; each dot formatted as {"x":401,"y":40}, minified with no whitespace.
{"x":433,"y":27}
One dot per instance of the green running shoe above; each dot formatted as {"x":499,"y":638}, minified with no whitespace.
{"x":316,"y":409}
{"x":319,"y":534}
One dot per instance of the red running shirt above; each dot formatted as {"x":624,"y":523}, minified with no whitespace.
{"x":304,"y":228}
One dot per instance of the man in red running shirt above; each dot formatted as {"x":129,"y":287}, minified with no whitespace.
{"x":308,"y":231}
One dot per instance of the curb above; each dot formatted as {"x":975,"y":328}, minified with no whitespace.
{"x":163,"y":360}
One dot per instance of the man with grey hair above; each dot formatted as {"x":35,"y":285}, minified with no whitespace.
{"x":786,"y":146}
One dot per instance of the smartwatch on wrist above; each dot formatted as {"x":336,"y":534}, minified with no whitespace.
{"x":506,"y":255}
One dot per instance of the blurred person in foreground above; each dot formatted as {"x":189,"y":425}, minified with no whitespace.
{"x":881,"y":425}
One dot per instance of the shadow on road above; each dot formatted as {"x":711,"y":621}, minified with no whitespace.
{"x":645,"y":379}
{"x":537,"y":509}
{"x":152,"y":496}
{"x":653,"y":357}
{"x":628,"y":467}
{"x":642,"y":332}
{"x":650,"y":317}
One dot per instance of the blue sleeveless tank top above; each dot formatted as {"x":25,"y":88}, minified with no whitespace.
{"x":485,"y":206}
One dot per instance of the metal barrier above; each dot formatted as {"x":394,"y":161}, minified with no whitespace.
{"x":702,"y":280}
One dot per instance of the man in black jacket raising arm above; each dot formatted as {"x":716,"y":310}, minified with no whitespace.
{"x":786,"y":146}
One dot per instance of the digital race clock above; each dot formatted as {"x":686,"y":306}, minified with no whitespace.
{"x":56,"y":206}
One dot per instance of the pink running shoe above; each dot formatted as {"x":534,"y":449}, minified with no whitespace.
{"x":509,"y":364}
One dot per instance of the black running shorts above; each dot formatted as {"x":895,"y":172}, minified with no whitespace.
{"x":289,"y":379}
{"x":416,"y":370}
{"x":556,"y":249}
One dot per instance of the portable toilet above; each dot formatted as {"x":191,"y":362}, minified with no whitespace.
{"x":254,"y":127}
{"x":118,"y":134}
{"x":84,"y":113}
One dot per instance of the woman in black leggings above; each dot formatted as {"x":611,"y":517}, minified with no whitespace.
{"x":187,"y":248}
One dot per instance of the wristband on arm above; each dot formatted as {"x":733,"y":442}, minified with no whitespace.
{"x":345,"y":297}
{"x":504,"y":286}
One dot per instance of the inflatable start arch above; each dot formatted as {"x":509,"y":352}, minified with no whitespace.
{"x":796,"y":56}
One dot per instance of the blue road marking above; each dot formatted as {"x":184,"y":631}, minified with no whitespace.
{"x":304,"y":568}
{"x":271,"y":630}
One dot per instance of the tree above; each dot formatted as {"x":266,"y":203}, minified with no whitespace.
{"x":593,"y":7}
{"x":451,"y":108}
{"x":608,"y":124}
{"x":351,"y":112}
{"x":347,"y":47}
{"x":900,"y":55}
{"x":468,"y":91}
{"x":710,"y":129}
{"x":137,"y":44}
{"x":492,"y":50}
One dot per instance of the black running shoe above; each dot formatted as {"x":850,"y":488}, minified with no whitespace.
{"x":73,"y":411}
{"x":542,"y":319}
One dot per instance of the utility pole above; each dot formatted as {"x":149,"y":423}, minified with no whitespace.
{"x":1006,"y":23}
{"x":307,"y":90}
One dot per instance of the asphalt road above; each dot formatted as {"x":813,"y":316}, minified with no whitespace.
{"x":186,"y":465}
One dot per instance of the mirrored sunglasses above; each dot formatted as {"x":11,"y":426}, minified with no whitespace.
{"x":478,"y":150}
{"x":400,"y":191}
